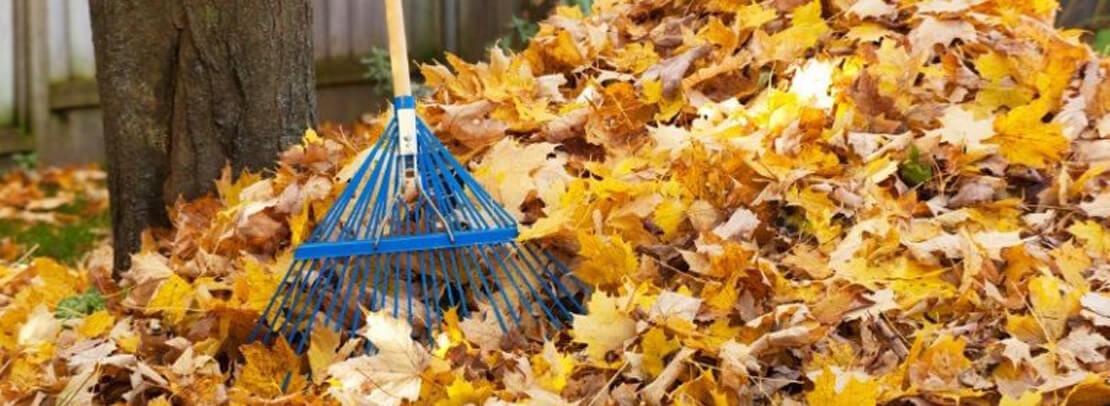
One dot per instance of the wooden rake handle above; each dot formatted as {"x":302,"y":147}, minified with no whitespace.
{"x":398,"y":49}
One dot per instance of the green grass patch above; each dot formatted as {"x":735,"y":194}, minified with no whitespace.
{"x":66,"y":242}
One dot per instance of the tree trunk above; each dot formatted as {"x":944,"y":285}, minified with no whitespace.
{"x":188,"y":86}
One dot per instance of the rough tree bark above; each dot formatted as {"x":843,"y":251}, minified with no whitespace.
{"x":188,"y":86}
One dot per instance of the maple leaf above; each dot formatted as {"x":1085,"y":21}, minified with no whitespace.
{"x":1026,"y":399}
{"x":266,"y":371}
{"x":1052,"y":305}
{"x":933,"y":31}
{"x":96,"y":324}
{"x":173,"y":298}
{"x":605,"y":260}
{"x":512,"y":172}
{"x":945,"y":6}
{"x":604,"y":328}
{"x":961,"y":128}
{"x":322,"y":349}
{"x":806,"y":29}
{"x":872,"y":9}
{"x":254,"y":286}
{"x":388,"y":377}
{"x":553,"y":369}
{"x":636,"y":57}
{"x":939,"y":365}
{"x":853,"y":392}
{"x":1024,"y":139}
{"x":655,"y":347}
{"x":462,"y":392}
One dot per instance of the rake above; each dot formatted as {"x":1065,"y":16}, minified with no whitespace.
{"x":413,"y":233}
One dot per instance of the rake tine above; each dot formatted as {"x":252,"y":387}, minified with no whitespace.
{"x":265,"y":313}
{"x":557,"y":278}
{"x":328,"y":224}
{"x":316,"y":299}
{"x":559,"y":289}
{"x":485,"y":288}
{"x":345,"y":279}
{"x":500,"y":288}
{"x":287,"y":312}
{"x":458,"y":281}
{"x":429,"y":313}
{"x":538,"y":299}
{"x":495,"y":253}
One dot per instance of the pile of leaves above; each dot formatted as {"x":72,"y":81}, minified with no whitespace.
{"x":840,"y":202}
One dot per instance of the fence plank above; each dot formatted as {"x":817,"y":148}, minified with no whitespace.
{"x":81,"y":62}
{"x":20,"y":60}
{"x":424,"y":28}
{"x":7,"y":63}
{"x":339,"y":35}
{"x":58,"y":38}
{"x":320,"y":29}
{"x":37,"y":46}
{"x":367,"y":27}
{"x":480,"y":23}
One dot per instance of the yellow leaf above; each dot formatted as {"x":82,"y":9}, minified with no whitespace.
{"x":230,"y":191}
{"x":173,"y":298}
{"x":1092,"y":391}
{"x":668,"y":107}
{"x":703,"y":390}
{"x":605,"y":328}
{"x":939,"y":366}
{"x":1052,"y":305}
{"x":807,"y":27}
{"x":655,"y":347}
{"x":57,"y":281}
{"x":754,"y":15}
{"x":128,"y":343}
{"x":565,"y":51}
{"x":255,"y":285}
{"x":636,"y":57}
{"x":716,"y":33}
{"x":462,"y":392}
{"x":394,"y":374}
{"x":819,"y":212}
{"x":993,"y":66}
{"x":266,"y":369}
{"x":298,"y":225}
{"x":604,"y":260}
{"x":1093,"y":236}
{"x":96,"y":324}
{"x":854,"y":393}
{"x":1072,"y":261}
{"x":310,"y":137}
{"x":451,"y":327}
{"x":552,"y":368}
{"x":1025,"y":328}
{"x":321,"y":352}
{"x":1026,"y":399}
{"x":1024,"y":139}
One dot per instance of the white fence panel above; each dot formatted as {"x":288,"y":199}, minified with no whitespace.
{"x":7,"y":63}
{"x":82,"y":64}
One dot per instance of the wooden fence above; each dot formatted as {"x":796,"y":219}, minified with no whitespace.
{"x":48,"y":98}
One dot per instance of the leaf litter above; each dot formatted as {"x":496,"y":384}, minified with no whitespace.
{"x":791,"y":202}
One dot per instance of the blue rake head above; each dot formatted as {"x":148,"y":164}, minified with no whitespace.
{"x":415,"y":234}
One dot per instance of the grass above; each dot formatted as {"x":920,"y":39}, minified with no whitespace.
{"x":66,"y":242}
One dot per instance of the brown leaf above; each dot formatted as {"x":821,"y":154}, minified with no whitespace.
{"x":469,"y":124}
